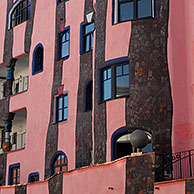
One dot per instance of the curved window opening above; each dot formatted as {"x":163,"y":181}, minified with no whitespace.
{"x":19,"y":13}
{"x":59,"y":163}
{"x":121,"y":145}
{"x":37,"y":64}
{"x":88,"y":96}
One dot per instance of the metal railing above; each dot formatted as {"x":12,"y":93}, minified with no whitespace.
{"x":19,"y":85}
{"x":18,"y":141}
{"x":178,"y":165}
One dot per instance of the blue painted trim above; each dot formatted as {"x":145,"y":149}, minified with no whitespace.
{"x":81,"y":38}
{"x":86,"y":93}
{"x":17,"y":165}
{"x":58,"y":1}
{"x":12,"y":10}
{"x":54,"y":158}
{"x":115,"y":136}
{"x":10,"y":75}
{"x":32,"y":175}
{"x":108,"y":64}
{"x":113,"y":11}
{"x":155,"y":8}
{"x":58,"y":43}
{"x":34,"y":59}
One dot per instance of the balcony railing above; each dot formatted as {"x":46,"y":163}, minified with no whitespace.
{"x":18,"y":141}
{"x":19,"y":85}
{"x":178,"y":165}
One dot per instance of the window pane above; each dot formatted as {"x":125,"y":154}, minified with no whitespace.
{"x":64,"y":168}
{"x":63,"y":38}
{"x":65,"y":114}
{"x":144,"y":8}
{"x":107,"y":89}
{"x":57,"y":169}
{"x":60,"y":115}
{"x":104,"y":75}
{"x":65,"y":49}
{"x":87,"y":43}
{"x":89,"y":28}
{"x":119,"y":70}
{"x":91,"y":41}
{"x":65,"y":101}
{"x":122,"y":85}
{"x":126,"y":11}
{"x":18,"y":180}
{"x":109,"y":73}
{"x":67,"y":35}
{"x":60,"y":103}
{"x":126,"y":69}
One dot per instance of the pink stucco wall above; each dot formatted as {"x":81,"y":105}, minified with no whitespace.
{"x":172,"y":187}
{"x":38,"y":188}
{"x":38,"y":97}
{"x":3,"y":6}
{"x":97,"y":180}
{"x":70,"y":79}
{"x":7,"y":190}
{"x":18,"y":43}
{"x":181,"y":60}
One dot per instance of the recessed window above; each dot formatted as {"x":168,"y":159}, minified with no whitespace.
{"x":37,"y":63}
{"x":115,"y":81}
{"x":33,"y":177}
{"x":86,"y":37}
{"x":14,"y":174}
{"x":88,"y":96}
{"x":62,"y":108}
{"x":125,"y":10}
{"x":64,"y":44}
{"x":59,"y":163}
{"x":19,"y":13}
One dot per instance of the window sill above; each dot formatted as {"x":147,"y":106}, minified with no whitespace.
{"x":63,"y":59}
{"x":125,"y":96}
{"x":37,"y":72}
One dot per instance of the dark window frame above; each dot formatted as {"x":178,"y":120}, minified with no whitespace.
{"x":12,"y":168}
{"x":54,"y":159}
{"x":61,"y":109}
{"x":135,"y":10}
{"x":33,"y":177}
{"x":88,"y":94}
{"x":38,"y":59}
{"x":60,"y":42}
{"x":20,"y":13}
{"x":112,"y":65}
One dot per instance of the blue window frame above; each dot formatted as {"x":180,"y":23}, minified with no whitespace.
{"x":88,"y":96}
{"x":58,"y":1}
{"x":115,"y":79}
{"x":33,"y":177}
{"x":64,"y":44}
{"x":62,"y":108}
{"x":38,"y":56}
{"x":19,"y":13}
{"x":59,"y":163}
{"x":125,"y":10}
{"x":86,"y":37}
{"x":14,"y":174}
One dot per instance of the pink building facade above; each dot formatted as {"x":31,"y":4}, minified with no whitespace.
{"x":77,"y":79}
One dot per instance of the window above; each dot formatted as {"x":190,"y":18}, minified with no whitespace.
{"x":37,"y":63}
{"x":14,"y":174}
{"x":115,"y":81}
{"x":33,"y":177}
{"x":19,"y":13}
{"x":125,"y":10}
{"x":62,"y":108}
{"x":86,"y":37}
{"x":88,"y":96}
{"x":64,"y":44}
{"x":59,"y":163}
{"x":58,"y":1}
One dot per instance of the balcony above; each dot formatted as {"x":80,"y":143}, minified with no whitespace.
{"x":20,"y":84}
{"x":18,"y":132}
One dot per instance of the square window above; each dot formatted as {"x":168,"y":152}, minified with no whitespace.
{"x":64,"y":44}
{"x":115,"y":81}
{"x":62,"y":108}
{"x":126,"y":10}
